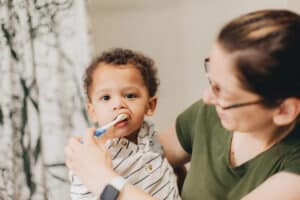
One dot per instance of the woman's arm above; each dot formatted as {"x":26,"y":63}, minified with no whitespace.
{"x":92,"y":163}
{"x":173,"y":150}
{"x":283,"y":185}
{"x":175,"y":154}
{"x":131,"y":192}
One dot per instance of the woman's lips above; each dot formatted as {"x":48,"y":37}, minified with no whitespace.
{"x":221,"y":114}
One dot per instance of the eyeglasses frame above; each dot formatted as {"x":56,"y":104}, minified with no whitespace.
{"x":232,"y":106}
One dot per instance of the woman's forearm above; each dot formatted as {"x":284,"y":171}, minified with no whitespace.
{"x":130,"y":192}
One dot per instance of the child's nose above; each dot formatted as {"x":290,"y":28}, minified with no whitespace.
{"x":119,"y":104}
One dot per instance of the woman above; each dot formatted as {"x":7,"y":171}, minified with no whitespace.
{"x":243,"y":138}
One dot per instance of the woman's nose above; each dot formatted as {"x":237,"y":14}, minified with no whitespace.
{"x":209,"y":97}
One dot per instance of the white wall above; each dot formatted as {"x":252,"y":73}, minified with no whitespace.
{"x":177,"y":34}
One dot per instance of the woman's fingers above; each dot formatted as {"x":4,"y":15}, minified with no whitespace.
{"x":69,"y":163}
{"x":89,"y":137}
{"x":68,"y":152}
{"x":88,"y":158}
{"x":80,"y":151}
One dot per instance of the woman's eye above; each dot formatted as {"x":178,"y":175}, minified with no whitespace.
{"x":105,"y":98}
{"x":131,"y":96}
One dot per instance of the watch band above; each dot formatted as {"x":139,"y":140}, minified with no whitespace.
{"x":118,"y":182}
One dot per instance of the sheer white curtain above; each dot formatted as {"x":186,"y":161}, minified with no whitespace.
{"x":43,"y":51}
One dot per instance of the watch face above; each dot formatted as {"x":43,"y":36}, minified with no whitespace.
{"x":109,"y":193}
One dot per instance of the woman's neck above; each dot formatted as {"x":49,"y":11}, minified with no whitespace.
{"x":247,"y":145}
{"x":268,"y":136}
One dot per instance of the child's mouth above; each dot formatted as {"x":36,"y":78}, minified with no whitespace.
{"x":121,"y":123}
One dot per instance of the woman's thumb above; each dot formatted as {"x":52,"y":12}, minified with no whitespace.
{"x":89,"y":135}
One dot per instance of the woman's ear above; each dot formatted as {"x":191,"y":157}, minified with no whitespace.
{"x":151,"y":106}
{"x":288,"y":112}
{"x":91,"y":112}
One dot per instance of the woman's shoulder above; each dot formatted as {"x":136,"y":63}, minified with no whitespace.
{"x":195,"y":125}
{"x":290,"y":151}
{"x":198,"y":110}
{"x":291,"y":143}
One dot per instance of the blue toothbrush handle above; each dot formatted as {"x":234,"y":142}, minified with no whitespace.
{"x":99,"y":132}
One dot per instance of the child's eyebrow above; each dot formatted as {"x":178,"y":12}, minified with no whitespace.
{"x":100,"y":91}
{"x":131,"y":88}
{"x":126,"y":88}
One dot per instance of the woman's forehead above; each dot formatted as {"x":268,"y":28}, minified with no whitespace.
{"x":223,"y":70}
{"x":221,"y":63}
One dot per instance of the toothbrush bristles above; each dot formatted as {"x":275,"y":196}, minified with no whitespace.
{"x":122,"y":117}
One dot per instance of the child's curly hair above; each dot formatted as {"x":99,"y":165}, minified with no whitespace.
{"x":119,"y":56}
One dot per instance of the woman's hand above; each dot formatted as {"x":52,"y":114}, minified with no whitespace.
{"x":90,"y":161}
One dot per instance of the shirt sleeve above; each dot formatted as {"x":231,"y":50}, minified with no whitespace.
{"x":185,"y":125}
{"x":292,"y":162}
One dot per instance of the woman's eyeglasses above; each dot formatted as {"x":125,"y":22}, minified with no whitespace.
{"x":215,"y":91}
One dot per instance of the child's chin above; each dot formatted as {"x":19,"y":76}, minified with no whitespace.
{"x":121,"y":134}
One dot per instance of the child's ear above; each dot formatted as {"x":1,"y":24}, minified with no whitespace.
{"x":287,"y":112}
{"x":151,"y":106}
{"x":91,"y":112}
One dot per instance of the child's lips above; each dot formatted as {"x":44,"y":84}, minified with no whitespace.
{"x":121,"y":123}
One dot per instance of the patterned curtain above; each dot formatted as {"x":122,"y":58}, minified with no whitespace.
{"x":43,"y":51}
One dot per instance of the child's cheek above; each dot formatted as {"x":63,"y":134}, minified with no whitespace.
{"x":99,"y":106}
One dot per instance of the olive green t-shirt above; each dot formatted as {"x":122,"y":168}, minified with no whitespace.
{"x":210,"y":175}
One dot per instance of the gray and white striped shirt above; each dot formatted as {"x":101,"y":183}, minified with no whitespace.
{"x":141,"y":164}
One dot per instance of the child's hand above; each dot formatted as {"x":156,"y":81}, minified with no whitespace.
{"x":90,"y":161}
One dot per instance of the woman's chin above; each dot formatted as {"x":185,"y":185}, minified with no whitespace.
{"x":227,"y":125}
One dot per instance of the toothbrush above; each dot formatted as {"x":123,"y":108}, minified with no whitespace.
{"x":104,"y":128}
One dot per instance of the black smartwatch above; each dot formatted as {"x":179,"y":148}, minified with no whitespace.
{"x":112,"y":190}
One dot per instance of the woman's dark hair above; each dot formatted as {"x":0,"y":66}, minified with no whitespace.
{"x":117,"y":57}
{"x":266,"y":49}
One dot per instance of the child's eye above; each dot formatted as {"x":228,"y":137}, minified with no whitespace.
{"x":105,"y":98}
{"x":131,"y":96}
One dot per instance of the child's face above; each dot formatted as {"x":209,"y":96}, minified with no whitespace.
{"x":116,"y":90}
